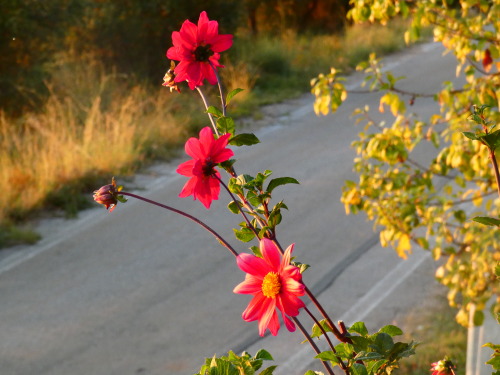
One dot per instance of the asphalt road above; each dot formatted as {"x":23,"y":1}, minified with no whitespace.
{"x":143,"y":291}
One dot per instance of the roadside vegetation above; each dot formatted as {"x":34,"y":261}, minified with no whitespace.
{"x":438,"y":336}
{"x":88,"y":118}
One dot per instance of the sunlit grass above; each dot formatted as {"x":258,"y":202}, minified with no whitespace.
{"x":439,"y":335}
{"x":96,"y":123}
{"x":105,"y":131}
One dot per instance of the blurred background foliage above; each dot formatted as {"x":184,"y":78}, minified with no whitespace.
{"x":129,"y":35}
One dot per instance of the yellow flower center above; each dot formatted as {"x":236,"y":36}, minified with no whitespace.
{"x":271,"y":285}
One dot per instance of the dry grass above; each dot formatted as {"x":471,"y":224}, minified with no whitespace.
{"x":102,"y":132}
{"x":439,"y":335}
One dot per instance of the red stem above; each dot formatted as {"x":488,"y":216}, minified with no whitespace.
{"x":197,"y":221}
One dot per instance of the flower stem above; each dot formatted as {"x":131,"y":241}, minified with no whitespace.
{"x":221,"y":91}
{"x":197,"y":221}
{"x":206,"y":107}
{"x":495,"y":168}
{"x":250,"y":226}
{"x":341,"y":363}
{"x":313,"y":344}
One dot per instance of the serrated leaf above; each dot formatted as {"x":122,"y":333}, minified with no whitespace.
{"x":487,"y":220}
{"x":358,"y":369}
{"x":391,"y":330}
{"x":373,"y":367}
{"x":264,"y":354}
{"x":275,"y":182}
{"x":360,"y":343}
{"x":492,"y":140}
{"x":359,"y":328}
{"x":328,"y":356}
{"x":470,"y":135}
{"x":383,"y":343}
{"x":268,"y":371}
{"x":256,"y":251}
{"x":368,"y":356}
{"x":214,"y":111}
{"x":316,"y":330}
{"x":226,"y":125}
{"x":245,"y":139}
{"x":232,"y":94}
{"x":244,"y":234}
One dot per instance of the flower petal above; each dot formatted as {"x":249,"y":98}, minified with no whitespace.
{"x":251,"y":285}
{"x":255,"y":308}
{"x":222,"y":43}
{"x":189,"y":188}
{"x":269,"y":318}
{"x":270,"y":253}
{"x":194,"y":148}
{"x":186,"y":168}
{"x":253,"y":265}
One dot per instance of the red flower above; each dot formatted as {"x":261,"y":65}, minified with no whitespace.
{"x":196,"y":47}
{"x":206,"y":152}
{"x":274,"y":284}
{"x":443,"y":367}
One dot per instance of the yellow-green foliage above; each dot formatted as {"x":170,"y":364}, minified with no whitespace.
{"x":406,"y":200}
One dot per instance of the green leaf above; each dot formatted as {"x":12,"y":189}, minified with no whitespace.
{"x":492,"y":140}
{"x":470,"y":135}
{"x":226,"y":125}
{"x":373,"y":367}
{"x":391,"y":330}
{"x":244,"y":234}
{"x":232,"y":94}
{"x":328,"y":356}
{"x":368,"y":356}
{"x":214,"y":111}
{"x":275,"y":182}
{"x":316,"y":330}
{"x":256,"y":251}
{"x":359,"y":328}
{"x":234,"y":207}
{"x":358,"y":369}
{"x":311,"y":372}
{"x":383,"y":343}
{"x":268,"y":371}
{"x":245,"y":139}
{"x":360,"y":343}
{"x":487,"y":220}
{"x":121,"y":198}
{"x":264,"y":354}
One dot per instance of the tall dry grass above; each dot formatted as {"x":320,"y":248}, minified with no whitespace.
{"x":102,"y":131}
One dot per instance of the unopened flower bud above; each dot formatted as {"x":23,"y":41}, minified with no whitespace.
{"x":107,"y":195}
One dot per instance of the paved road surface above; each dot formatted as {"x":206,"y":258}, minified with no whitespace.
{"x":143,"y":291}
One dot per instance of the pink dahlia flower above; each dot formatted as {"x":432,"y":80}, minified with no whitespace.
{"x":274,"y":284}
{"x":207,"y":152}
{"x":196,"y":47}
